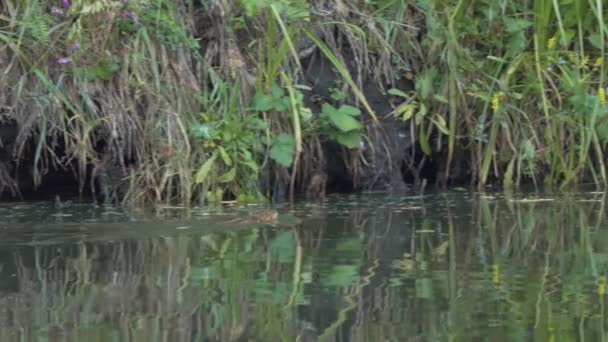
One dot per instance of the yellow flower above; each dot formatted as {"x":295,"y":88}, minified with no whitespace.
{"x":584,"y":62}
{"x":601,"y":286}
{"x":598,"y":62}
{"x":601,"y":95}
{"x":551,"y":43}
{"x":496,"y":101}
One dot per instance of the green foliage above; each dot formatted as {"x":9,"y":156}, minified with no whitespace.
{"x":291,"y":9}
{"x":341,"y":124}
{"x":103,"y":70}
{"x":277,"y":100}
{"x":162,"y":19}
{"x":37,"y":24}
{"x":283,"y":149}
{"x":231,"y":144}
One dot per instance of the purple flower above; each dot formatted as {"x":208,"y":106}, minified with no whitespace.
{"x":124,"y":1}
{"x":134,"y":17}
{"x":64,"y":61}
{"x":65,"y":4}
{"x":74,"y":47}
{"x":56,"y":11}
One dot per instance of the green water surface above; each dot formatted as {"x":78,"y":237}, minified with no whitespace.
{"x":454,"y":266}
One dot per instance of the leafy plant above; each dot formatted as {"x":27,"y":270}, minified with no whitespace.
{"x":231,"y":144}
{"x":341,"y":124}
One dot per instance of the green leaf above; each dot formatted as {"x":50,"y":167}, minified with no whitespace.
{"x":596,"y":40}
{"x":404,"y":111}
{"x":228,"y":176}
{"x":225,"y":156}
{"x":250,"y":164}
{"x":440,"y":99}
{"x":257,"y":123}
{"x":350,"y":139}
{"x":424,"y":84}
{"x":262,"y":102}
{"x":424,"y":144}
{"x":283,"y":149}
{"x":204,"y":170}
{"x":344,"y":122}
{"x":276,"y":91}
{"x":516,"y":25}
{"x":397,"y":92}
{"x":350,"y":110}
{"x":440,"y":123}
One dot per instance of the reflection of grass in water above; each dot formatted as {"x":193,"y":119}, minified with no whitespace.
{"x":515,"y":270}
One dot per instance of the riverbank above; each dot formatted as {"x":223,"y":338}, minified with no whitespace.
{"x":196,"y":102}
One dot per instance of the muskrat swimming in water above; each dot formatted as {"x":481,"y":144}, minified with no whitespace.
{"x":260,"y":216}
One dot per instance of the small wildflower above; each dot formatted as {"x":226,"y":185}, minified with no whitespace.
{"x":585,"y":62}
{"x":134,"y":17}
{"x":496,"y":101}
{"x":601,"y":286}
{"x":573,"y":57}
{"x":598,"y":62}
{"x":551,"y":43}
{"x":64,"y":61}
{"x":65,"y":4}
{"x":601,"y":95}
{"x":56,"y":11}
{"x":124,"y":1}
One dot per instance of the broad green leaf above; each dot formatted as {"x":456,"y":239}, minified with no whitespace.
{"x":513,"y":25}
{"x":225,"y":156}
{"x":283,"y":149}
{"x":405,"y":111}
{"x":257,"y":123}
{"x":262,"y":102}
{"x":202,"y":173}
{"x":516,"y":44}
{"x":397,"y":92}
{"x":596,"y":40}
{"x":350,"y":139}
{"x":276,"y":91}
{"x":350,"y":110}
{"x":344,"y":122}
{"x":228,"y":176}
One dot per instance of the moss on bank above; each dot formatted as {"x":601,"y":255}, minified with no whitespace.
{"x":182,"y":101}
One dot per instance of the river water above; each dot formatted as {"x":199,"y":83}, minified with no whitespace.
{"x":455,"y":266}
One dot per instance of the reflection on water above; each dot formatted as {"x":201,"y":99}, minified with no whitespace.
{"x":455,"y":266}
